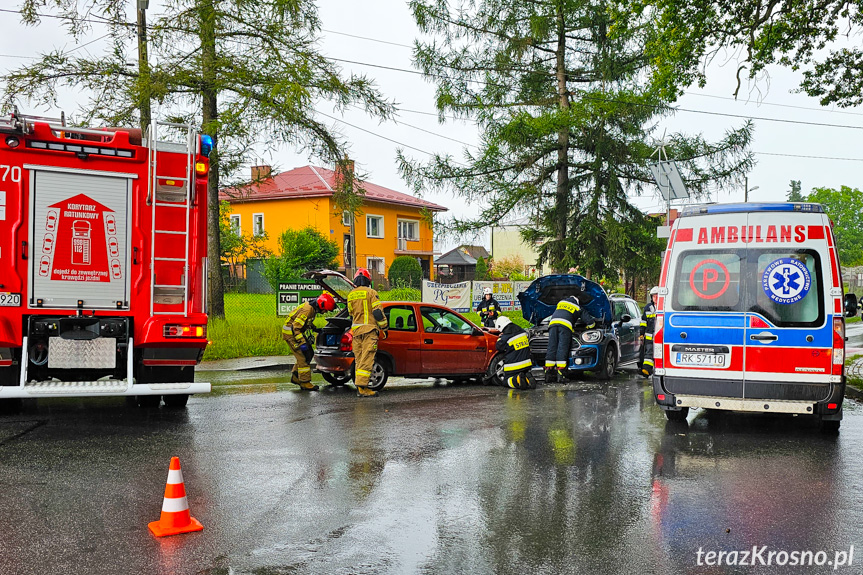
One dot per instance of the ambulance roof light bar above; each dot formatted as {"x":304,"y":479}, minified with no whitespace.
{"x":751,"y":207}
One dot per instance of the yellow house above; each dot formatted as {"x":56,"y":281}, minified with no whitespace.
{"x":391,"y":224}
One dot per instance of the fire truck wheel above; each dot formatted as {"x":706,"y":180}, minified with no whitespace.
{"x":176,"y":401}
{"x":149,"y":401}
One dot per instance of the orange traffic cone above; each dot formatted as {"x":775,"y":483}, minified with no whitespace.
{"x":175,"y":507}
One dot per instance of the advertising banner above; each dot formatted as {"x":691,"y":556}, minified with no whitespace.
{"x":517,"y":288}
{"x":454,"y":296}
{"x":294,"y":293}
{"x":502,"y":292}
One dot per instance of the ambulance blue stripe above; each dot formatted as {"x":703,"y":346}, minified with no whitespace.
{"x":712,"y":320}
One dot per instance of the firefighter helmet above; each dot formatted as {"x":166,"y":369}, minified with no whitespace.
{"x":654,"y":290}
{"x":487,"y":291}
{"x":502,"y":322}
{"x":363,"y":277}
{"x":326,"y":302}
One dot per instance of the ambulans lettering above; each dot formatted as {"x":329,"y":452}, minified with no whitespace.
{"x":751,"y":234}
{"x":786,"y":281}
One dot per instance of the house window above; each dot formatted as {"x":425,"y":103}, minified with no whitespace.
{"x":409,"y":230}
{"x":376,"y":265}
{"x":235,"y":224}
{"x":258,"y":224}
{"x":374,"y":226}
{"x":346,"y":218}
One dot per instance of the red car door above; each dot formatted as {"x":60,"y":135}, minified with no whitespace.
{"x":403,"y":342}
{"x":450,"y":343}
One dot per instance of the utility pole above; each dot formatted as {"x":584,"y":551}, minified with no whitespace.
{"x":745,"y":189}
{"x":143,"y":66}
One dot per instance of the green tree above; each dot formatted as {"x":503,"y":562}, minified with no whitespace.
{"x":794,"y":193}
{"x":481,"y":272}
{"x":843,"y":208}
{"x":405,"y":271}
{"x":564,"y":96}
{"x":300,"y":251}
{"x":798,"y":34}
{"x":237,"y":248}
{"x":246,"y":72}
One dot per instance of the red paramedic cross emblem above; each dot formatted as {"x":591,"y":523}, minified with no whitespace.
{"x":79,"y":242}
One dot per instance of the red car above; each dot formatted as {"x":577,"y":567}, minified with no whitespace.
{"x":425,"y":340}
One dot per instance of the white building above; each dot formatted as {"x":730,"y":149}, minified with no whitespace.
{"x":506,"y":242}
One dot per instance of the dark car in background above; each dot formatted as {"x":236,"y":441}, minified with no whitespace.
{"x":425,"y":340}
{"x":612,"y":343}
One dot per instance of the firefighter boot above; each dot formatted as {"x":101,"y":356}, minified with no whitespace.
{"x":550,"y":375}
{"x":363,"y":391}
{"x":308,"y":386}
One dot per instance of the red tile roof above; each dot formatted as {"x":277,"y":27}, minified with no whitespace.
{"x":315,"y":182}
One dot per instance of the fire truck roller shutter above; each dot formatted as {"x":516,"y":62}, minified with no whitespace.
{"x":83,"y":254}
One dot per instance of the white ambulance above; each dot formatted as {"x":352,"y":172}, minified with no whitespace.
{"x":751,"y":313}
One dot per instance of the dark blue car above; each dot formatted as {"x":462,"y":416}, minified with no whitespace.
{"x":614,"y":341}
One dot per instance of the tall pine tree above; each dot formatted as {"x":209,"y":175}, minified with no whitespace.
{"x":247,"y":72}
{"x":563,"y":93}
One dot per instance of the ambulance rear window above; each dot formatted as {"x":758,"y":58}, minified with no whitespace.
{"x":708,"y":280}
{"x":787,"y":286}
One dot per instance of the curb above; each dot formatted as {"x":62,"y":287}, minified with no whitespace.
{"x":272,"y":363}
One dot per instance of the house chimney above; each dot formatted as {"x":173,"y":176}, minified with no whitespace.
{"x":261,"y":173}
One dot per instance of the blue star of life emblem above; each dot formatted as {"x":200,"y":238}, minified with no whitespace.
{"x":786,"y":281}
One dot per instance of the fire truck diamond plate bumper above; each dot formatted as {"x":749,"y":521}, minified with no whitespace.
{"x":99,"y":353}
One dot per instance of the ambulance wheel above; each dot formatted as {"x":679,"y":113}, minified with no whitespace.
{"x":176,"y":401}
{"x":677,"y":415}
{"x":609,"y":362}
{"x":149,"y":401}
{"x":494,"y":373}
{"x":380,"y":374}
{"x":337,"y":379}
{"x":830,"y":426}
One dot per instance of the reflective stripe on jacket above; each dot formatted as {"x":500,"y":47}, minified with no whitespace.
{"x":365,"y":309}
{"x":514,"y":345}
{"x":568,"y":312}
{"x":648,"y":320}
{"x":298,"y":321}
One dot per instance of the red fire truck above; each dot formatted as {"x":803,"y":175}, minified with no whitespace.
{"x":103,"y":267}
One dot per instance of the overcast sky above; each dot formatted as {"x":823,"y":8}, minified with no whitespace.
{"x":803,"y":141}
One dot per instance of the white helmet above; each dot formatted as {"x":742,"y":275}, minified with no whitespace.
{"x":654,"y":290}
{"x":502,"y":322}
{"x":486,"y":291}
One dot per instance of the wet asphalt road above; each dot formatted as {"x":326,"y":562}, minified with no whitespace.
{"x":582,"y":478}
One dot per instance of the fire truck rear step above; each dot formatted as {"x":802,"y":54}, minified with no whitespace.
{"x":100,"y":388}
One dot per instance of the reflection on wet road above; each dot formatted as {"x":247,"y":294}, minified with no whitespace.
{"x":427,"y":478}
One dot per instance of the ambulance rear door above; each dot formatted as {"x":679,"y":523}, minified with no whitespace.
{"x":789,"y":305}
{"x":705,"y":309}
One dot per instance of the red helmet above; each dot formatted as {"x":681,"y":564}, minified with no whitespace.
{"x":326,"y":302}
{"x":362,"y":272}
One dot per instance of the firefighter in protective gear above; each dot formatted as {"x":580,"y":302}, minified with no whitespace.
{"x":514,"y":345}
{"x":301,"y":319}
{"x":563,"y":319}
{"x":368,"y":320}
{"x":648,"y":324}
{"x":488,"y":308}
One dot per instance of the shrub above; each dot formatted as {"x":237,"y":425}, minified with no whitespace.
{"x":299,"y":252}
{"x":481,"y":272}
{"x":506,"y":267}
{"x":405,"y":271}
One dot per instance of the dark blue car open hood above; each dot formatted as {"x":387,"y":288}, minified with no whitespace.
{"x":540,"y":298}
